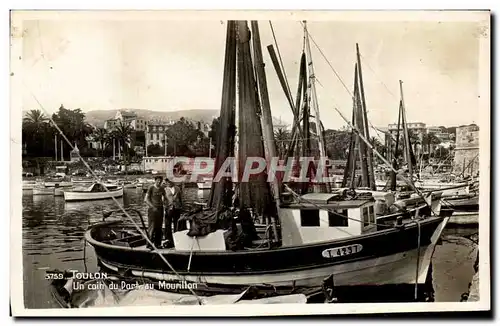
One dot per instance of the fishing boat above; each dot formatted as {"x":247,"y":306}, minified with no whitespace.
{"x":80,"y":181}
{"x":58,"y":191}
{"x":316,"y":243}
{"x":467,"y":202}
{"x":41,"y":189}
{"x":94,"y":192}
{"x":309,"y":237}
{"x":57,"y":180}
{"x":28,"y":184}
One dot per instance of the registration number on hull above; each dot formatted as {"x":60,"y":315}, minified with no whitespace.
{"x":342,"y":251}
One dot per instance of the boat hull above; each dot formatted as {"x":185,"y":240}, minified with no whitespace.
{"x":387,"y":257}
{"x":58,"y":183}
{"x":81,"y":196}
{"x":43,"y":191}
{"x":28,"y":186}
{"x":462,"y":203}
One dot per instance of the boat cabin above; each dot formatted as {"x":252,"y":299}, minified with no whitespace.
{"x":98,"y":187}
{"x":319,"y":217}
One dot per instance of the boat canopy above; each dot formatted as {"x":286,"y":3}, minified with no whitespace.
{"x":98,"y":187}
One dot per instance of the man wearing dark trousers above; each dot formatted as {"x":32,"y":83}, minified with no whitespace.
{"x":173,"y":210}
{"x":155,"y":198}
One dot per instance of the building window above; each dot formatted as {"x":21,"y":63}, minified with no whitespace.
{"x":338,"y":218}
{"x":309,"y":217}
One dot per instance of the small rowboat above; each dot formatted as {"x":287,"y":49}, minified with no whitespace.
{"x":95,"y":192}
{"x":43,"y":190}
{"x":29,"y":185}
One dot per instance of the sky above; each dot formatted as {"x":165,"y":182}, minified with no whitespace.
{"x":159,"y":64}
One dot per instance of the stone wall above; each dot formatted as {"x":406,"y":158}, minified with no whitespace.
{"x":467,"y":150}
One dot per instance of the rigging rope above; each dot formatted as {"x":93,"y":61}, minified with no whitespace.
{"x":327,"y":61}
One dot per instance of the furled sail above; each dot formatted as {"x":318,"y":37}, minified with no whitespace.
{"x":222,"y":190}
{"x":255,"y":192}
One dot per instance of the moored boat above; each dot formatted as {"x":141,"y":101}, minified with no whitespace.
{"x":43,"y":190}
{"x":321,"y":235}
{"x":468,"y":202}
{"x":306,"y":237}
{"x":95,"y":192}
{"x":28,"y":185}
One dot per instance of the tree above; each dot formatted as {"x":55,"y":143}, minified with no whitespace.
{"x":181,"y":137}
{"x":429,"y":140}
{"x":140,"y":137}
{"x":214,"y":129}
{"x":73,"y":125}
{"x":282,"y":138}
{"x":379,"y":147}
{"x":35,"y":132}
{"x":35,"y":119}
{"x":122,"y":133}
{"x":155,"y":149}
{"x":337,"y":143}
{"x":100,"y":135}
{"x":37,"y":139}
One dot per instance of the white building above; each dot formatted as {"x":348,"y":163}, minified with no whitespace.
{"x":156,"y":132}
{"x":125,"y":116}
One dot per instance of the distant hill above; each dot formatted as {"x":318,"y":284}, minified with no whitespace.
{"x":97,"y":117}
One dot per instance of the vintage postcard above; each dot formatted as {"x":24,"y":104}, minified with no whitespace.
{"x":177,"y":163}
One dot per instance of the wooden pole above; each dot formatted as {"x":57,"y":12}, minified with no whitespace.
{"x":266,"y":117}
{"x":358,"y":122}
{"x":314,"y":102}
{"x":281,"y":77}
{"x":62,"y":151}
{"x":210,"y":148}
{"x":55,"y":145}
{"x":369,"y":154}
{"x":165,"y":144}
{"x":405,"y":129}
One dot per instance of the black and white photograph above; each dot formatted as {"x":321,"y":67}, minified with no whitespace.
{"x":177,"y":163}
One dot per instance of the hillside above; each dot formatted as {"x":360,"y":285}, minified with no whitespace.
{"x":97,"y":117}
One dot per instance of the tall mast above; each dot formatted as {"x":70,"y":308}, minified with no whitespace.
{"x":55,"y":145}
{"x":369,"y":154}
{"x":395,"y":158}
{"x":358,"y":116}
{"x":267,"y":121}
{"x":405,"y":130}
{"x":314,"y":102}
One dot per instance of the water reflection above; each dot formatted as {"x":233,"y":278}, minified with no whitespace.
{"x":53,"y":233}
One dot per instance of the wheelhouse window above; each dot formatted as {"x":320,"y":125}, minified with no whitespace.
{"x":309,"y":217}
{"x":371,"y":211}
{"x":338,"y":218}
{"x":366,"y":216}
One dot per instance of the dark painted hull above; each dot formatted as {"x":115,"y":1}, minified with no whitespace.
{"x":387,"y":257}
{"x":462,"y":203}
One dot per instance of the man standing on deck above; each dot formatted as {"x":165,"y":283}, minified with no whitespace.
{"x":173,"y":210}
{"x":155,"y":197}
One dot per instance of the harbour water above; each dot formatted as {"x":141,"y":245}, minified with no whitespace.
{"x":53,"y":239}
